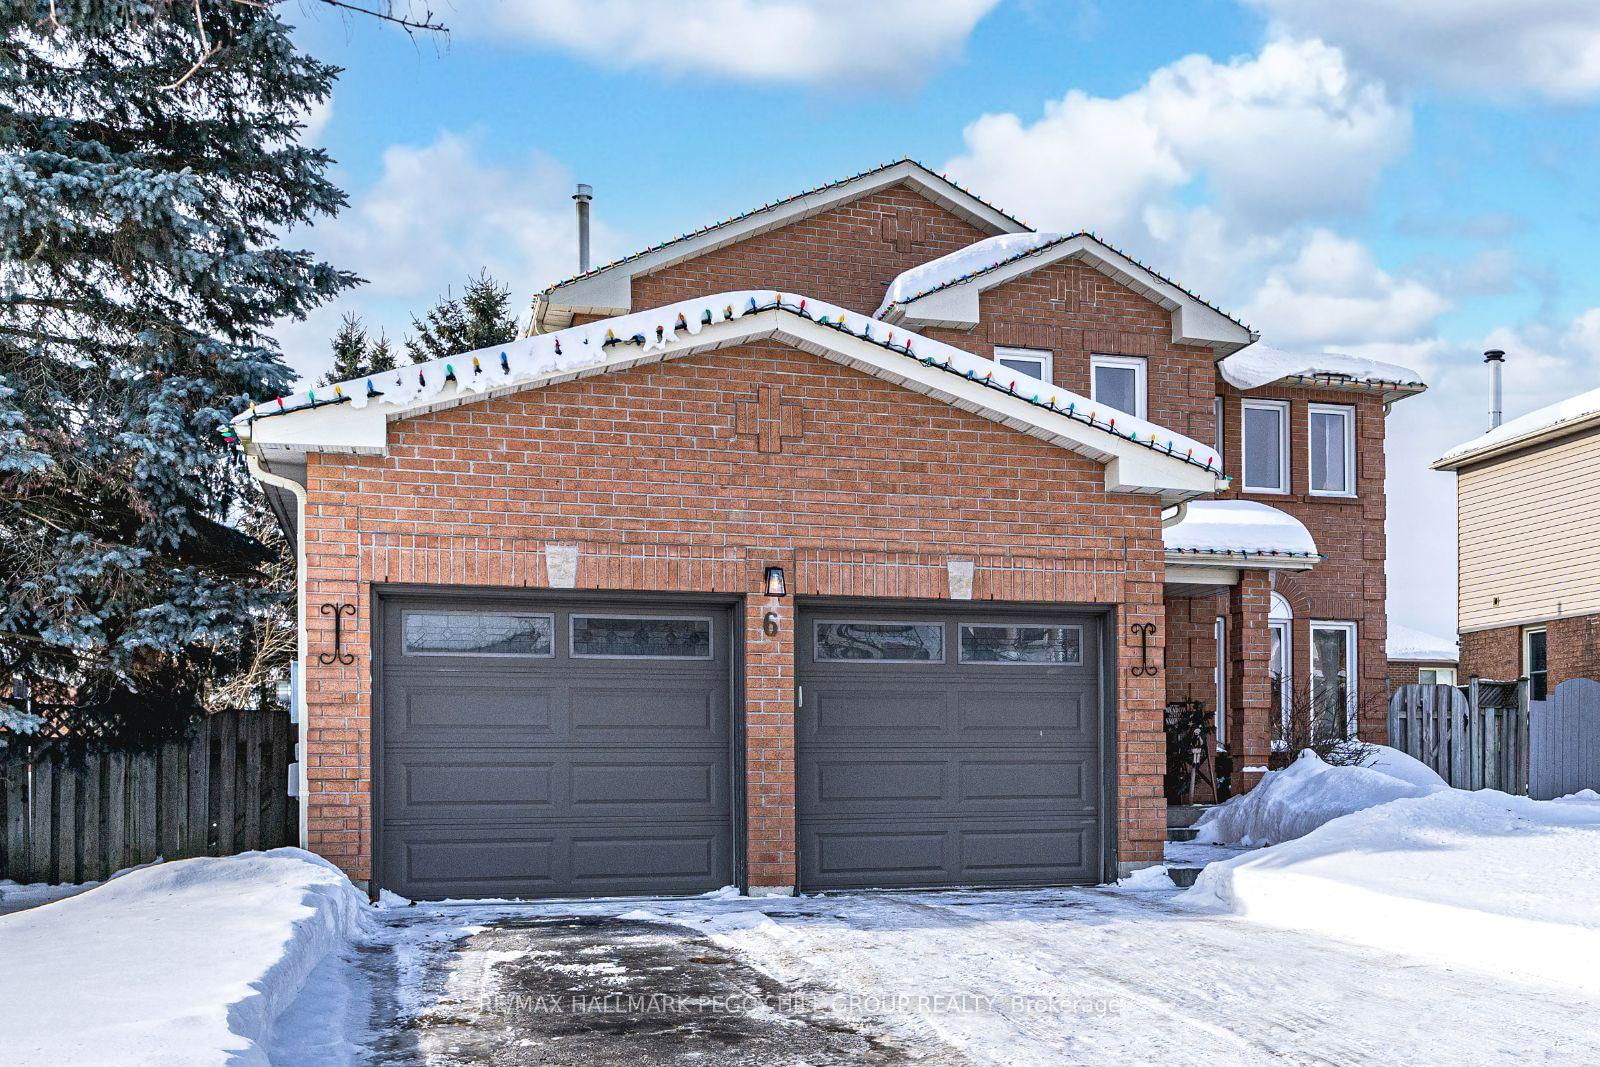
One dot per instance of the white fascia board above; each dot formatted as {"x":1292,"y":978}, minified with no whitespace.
{"x":956,"y":307}
{"x":1130,"y":467}
{"x":1198,"y":574}
{"x":609,"y":291}
{"x":1201,"y":561}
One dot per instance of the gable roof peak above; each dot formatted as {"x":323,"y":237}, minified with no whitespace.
{"x":606,"y":290}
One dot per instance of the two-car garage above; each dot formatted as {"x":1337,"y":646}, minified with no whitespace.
{"x":535,"y":747}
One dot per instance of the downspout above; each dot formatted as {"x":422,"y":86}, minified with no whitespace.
{"x":302,"y":728}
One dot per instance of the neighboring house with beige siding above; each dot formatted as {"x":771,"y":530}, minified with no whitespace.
{"x":1528,"y":536}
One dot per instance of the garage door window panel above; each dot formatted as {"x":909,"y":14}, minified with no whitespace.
{"x":879,"y":642}
{"x":471,"y":633}
{"x":1060,"y":646}
{"x":640,"y":637}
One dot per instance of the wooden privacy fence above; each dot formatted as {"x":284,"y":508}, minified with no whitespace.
{"x":1565,"y":740}
{"x":1474,"y":740}
{"x":70,"y":816}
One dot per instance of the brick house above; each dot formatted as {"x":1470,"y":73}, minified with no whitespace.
{"x":1417,"y":658}
{"x":1528,"y":542}
{"x":859,"y":540}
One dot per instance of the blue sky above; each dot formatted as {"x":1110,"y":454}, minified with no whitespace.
{"x":1415,"y":186}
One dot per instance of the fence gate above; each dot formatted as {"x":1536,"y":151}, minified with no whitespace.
{"x":78,"y":817}
{"x":1564,"y":740}
{"x":1473,"y":740}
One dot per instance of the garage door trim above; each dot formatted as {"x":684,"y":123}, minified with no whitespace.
{"x":731,"y":615}
{"x":1103,"y":616}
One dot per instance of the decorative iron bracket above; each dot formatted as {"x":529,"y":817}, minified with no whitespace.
{"x":1144,"y":668}
{"x":338,"y":655}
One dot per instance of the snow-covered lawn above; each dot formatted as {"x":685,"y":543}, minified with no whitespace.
{"x":1390,"y":856}
{"x":183,"y":962}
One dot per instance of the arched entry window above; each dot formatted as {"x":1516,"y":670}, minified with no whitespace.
{"x":1280,"y":625}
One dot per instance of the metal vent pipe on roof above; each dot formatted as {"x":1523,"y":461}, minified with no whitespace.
{"x":1496,"y":360}
{"x":584,"y":194}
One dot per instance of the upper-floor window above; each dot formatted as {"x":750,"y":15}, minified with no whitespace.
{"x":1034,"y":361}
{"x":1118,"y":381}
{"x":1333,"y":450}
{"x":1265,"y":433}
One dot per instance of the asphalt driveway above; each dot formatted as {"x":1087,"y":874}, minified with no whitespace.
{"x":1047,"y":977}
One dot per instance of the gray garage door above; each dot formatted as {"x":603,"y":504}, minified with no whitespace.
{"x":549,"y":749}
{"x":942,"y":749}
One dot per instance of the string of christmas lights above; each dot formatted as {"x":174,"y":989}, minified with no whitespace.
{"x":888,"y":342}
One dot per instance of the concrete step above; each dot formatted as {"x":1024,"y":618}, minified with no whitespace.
{"x":1181,"y":833}
{"x":1183,"y":877}
{"x":1185,"y":814}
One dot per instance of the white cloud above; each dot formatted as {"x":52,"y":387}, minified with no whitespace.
{"x":437,"y":215}
{"x":1334,"y":293}
{"x":1491,"y":47}
{"x":316,"y":120}
{"x":1282,"y":136}
{"x":785,"y":41}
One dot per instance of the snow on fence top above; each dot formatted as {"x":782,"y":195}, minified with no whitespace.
{"x":1260,"y":364}
{"x":1239,"y":528}
{"x":1572,"y":409}
{"x":1406,"y":643}
{"x":622,"y":339}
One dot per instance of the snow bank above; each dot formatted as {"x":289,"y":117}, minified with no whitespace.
{"x":1475,"y":879}
{"x":1546,"y":418}
{"x":1260,"y":364}
{"x":1406,"y":643}
{"x":1294,"y":801}
{"x":1235,"y":526}
{"x":183,"y":962}
{"x":976,"y":258}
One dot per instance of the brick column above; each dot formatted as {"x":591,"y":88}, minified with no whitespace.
{"x":769,"y":745}
{"x":1249,"y":677}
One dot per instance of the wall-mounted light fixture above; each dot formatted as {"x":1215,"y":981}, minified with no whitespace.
{"x":773,"y":580}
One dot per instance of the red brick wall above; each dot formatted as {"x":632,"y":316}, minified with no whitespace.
{"x":645,"y":471}
{"x":841,"y":256}
{"x":1192,"y":647}
{"x":1408,"y":672}
{"x":1076,"y":312}
{"x":1349,"y":585}
{"x":1572,"y":649}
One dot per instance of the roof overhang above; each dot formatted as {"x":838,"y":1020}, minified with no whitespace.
{"x":608,"y":290}
{"x":1470,"y":455}
{"x":1138,"y":457}
{"x":1209,"y":542}
{"x":1194,"y":322}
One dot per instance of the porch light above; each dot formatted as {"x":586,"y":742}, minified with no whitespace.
{"x":774,"y":582}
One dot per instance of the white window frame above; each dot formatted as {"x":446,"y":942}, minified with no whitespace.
{"x":1527,"y":658}
{"x":1217,"y":407}
{"x":1351,"y":665}
{"x":1042,"y":356}
{"x":1282,"y":408}
{"x":1280,"y":621}
{"x":1436,"y":671}
{"x":1348,"y":414}
{"x":1141,"y":379}
{"x":1219,"y":679}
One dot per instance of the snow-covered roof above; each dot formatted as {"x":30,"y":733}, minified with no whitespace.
{"x":1261,"y":364}
{"x":1554,"y":420}
{"x":1234,"y":530}
{"x":351,"y":416}
{"x":945,"y":292}
{"x":607,"y":290}
{"x":1408,"y":644}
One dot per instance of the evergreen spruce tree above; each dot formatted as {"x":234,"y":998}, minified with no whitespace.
{"x":482,"y":317}
{"x":354,"y":356}
{"x":141,"y":193}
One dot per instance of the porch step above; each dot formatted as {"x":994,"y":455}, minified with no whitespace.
{"x":1185,"y":814}
{"x":1184,"y":877}
{"x":1181,"y":833}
